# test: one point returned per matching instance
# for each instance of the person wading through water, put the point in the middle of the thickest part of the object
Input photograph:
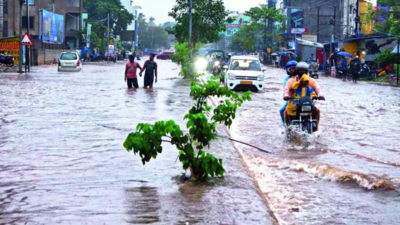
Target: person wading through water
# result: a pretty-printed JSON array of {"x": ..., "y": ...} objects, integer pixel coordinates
[
  {"x": 151, "y": 69},
  {"x": 130, "y": 72}
]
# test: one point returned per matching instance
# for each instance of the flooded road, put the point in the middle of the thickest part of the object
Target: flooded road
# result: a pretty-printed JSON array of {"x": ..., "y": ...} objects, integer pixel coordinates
[
  {"x": 62, "y": 159},
  {"x": 350, "y": 172}
]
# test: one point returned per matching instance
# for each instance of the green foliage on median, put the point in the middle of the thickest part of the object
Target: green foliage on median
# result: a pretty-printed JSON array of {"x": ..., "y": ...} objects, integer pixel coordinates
[{"x": 201, "y": 122}]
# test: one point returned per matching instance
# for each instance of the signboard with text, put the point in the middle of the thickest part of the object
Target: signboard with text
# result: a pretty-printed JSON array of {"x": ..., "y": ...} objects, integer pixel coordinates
[
  {"x": 233, "y": 25},
  {"x": 10, "y": 46},
  {"x": 298, "y": 30}
]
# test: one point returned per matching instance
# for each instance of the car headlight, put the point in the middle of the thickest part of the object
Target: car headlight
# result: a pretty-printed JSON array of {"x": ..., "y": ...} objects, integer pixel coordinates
[
  {"x": 260, "y": 78},
  {"x": 306, "y": 108},
  {"x": 201, "y": 63},
  {"x": 231, "y": 76}
]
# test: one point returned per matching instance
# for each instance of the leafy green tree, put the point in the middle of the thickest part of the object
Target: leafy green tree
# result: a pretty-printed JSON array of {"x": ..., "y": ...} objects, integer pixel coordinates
[
  {"x": 151, "y": 35},
  {"x": 388, "y": 17},
  {"x": 120, "y": 18},
  {"x": 202, "y": 121},
  {"x": 182, "y": 56},
  {"x": 246, "y": 38},
  {"x": 208, "y": 20},
  {"x": 260, "y": 16}
]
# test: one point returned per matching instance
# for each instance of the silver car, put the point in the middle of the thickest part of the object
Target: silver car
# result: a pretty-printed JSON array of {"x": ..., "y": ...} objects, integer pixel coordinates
[{"x": 69, "y": 62}]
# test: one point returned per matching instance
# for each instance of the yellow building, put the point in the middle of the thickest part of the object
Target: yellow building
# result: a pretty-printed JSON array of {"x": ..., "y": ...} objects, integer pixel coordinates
[{"x": 367, "y": 25}]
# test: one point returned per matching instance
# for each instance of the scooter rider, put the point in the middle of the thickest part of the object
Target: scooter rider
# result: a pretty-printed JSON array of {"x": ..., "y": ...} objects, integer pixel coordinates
[
  {"x": 291, "y": 72},
  {"x": 301, "y": 69}
]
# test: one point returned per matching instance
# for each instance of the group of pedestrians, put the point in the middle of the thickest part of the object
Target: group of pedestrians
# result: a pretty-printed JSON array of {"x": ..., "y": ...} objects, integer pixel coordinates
[
  {"x": 353, "y": 67},
  {"x": 150, "y": 68}
]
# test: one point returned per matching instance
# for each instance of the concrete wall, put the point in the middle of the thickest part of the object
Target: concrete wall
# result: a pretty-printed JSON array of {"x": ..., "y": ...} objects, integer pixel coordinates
[{"x": 47, "y": 56}]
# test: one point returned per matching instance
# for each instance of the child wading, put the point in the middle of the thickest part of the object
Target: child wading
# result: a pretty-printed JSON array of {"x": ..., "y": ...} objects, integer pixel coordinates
[
  {"x": 151, "y": 69},
  {"x": 130, "y": 72}
]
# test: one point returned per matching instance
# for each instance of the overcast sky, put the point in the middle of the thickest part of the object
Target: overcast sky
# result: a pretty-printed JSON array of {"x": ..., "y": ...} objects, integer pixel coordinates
[{"x": 159, "y": 8}]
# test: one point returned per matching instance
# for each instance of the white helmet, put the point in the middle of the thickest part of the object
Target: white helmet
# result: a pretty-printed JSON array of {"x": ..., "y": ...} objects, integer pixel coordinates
[{"x": 302, "y": 66}]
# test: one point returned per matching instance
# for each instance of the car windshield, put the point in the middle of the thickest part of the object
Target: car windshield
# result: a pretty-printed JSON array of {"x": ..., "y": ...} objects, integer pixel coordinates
[
  {"x": 167, "y": 53},
  {"x": 69, "y": 56},
  {"x": 249, "y": 65}
]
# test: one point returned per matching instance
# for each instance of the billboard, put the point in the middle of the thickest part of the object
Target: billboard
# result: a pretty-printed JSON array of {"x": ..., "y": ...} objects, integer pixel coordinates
[
  {"x": 128, "y": 35},
  {"x": 302, "y": 30},
  {"x": 10, "y": 46},
  {"x": 52, "y": 27},
  {"x": 296, "y": 18}
]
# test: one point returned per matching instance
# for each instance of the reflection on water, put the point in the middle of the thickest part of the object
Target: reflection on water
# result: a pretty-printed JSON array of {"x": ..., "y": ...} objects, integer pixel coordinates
[{"x": 142, "y": 205}]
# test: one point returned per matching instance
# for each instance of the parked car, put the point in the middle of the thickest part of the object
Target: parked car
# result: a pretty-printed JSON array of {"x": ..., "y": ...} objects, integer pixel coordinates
[
  {"x": 244, "y": 72},
  {"x": 69, "y": 62},
  {"x": 165, "y": 55}
]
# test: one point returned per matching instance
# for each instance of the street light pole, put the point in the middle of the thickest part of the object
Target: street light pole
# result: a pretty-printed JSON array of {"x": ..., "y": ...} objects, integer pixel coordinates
[
  {"x": 27, "y": 48},
  {"x": 190, "y": 36},
  {"x": 398, "y": 59},
  {"x": 190, "y": 23},
  {"x": 20, "y": 37},
  {"x": 108, "y": 36}
]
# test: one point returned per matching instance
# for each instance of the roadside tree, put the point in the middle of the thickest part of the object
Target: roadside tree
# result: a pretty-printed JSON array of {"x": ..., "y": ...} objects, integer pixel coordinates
[{"x": 208, "y": 20}]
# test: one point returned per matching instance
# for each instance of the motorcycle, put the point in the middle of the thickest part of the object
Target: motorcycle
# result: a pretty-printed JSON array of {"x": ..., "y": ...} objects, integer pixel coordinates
[
  {"x": 216, "y": 68},
  {"x": 313, "y": 72},
  {"x": 366, "y": 72},
  {"x": 303, "y": 121},
  {"x": 7, "y": 60}
]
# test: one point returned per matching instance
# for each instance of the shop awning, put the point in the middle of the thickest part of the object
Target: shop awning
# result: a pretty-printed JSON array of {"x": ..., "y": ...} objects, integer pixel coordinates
[{"x": 395, "y": 49}]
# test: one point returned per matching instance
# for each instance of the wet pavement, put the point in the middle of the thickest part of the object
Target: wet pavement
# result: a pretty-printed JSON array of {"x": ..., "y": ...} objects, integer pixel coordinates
[
  {"x": 347, "y": 173},
  {"x": 62, "y": 159}
]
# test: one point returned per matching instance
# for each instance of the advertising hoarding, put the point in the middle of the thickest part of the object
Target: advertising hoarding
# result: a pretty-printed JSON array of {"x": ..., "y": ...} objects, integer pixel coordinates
[
  {"x": 10, "y": 46},
  {"x": 302, "y": 30},
  {"x": 53, "y": 27}
]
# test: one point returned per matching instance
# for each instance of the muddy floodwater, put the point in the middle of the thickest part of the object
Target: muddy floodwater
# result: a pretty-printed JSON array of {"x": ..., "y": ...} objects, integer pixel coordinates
[
  {"x": 62, "y": 159},
  {"x": 347, "y": 173}
]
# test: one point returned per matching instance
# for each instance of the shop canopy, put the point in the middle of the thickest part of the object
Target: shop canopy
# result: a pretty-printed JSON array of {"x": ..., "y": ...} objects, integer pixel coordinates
[{"x": 395, "y": 49}]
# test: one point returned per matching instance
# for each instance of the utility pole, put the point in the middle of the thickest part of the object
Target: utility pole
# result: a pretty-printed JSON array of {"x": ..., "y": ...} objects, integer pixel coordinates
[
  {"x": 27, "y": 48},
  {"x": 190, "y": 23},
  {"x": 21, "y": 58},
  {"x": 357, "y": 19},
  {"x": 318, "y": 24},
  {"x": 108, "y": 36},
  {"x": 1, "y": 18},
  {"x": 190, "y": 36},
  {"x": 398, "y": 59},
  {"x": 136, "y": 31}
]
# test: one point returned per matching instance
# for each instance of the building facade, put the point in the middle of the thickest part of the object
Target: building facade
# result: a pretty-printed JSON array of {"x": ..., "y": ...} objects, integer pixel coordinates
[
  {"x": 315, "y": 16},
  {"x": 68, "y": 22}
]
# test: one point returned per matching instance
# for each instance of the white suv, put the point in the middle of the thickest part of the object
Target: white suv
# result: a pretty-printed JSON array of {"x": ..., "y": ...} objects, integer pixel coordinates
[
  {"x": 244, "y": 72},
  {"x": 69, "y": 61}
]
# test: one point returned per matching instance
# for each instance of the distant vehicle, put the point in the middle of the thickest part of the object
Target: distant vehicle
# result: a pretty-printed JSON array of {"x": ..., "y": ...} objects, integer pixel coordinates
[
  {"x": 165, "y": 55},
  {"x": 7, "y": 60},
  {"x": 69, "y": 62},
  {"x": 96, "y": 57},
  {"x": 244, "y": 72}
]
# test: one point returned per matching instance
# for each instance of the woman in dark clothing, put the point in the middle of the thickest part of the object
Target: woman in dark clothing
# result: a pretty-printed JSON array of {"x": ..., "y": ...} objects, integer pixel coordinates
[{"x": 151, "y": 69}]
